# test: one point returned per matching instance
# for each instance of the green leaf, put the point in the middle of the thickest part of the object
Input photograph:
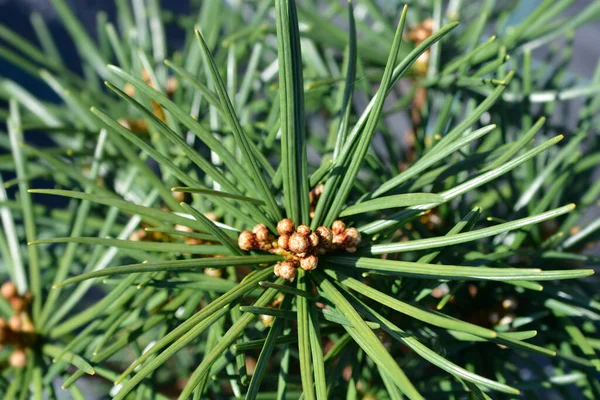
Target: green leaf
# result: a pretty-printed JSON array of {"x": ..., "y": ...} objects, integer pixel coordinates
[
  {"x": 449, "y": 240},
  {"x": 135, "y": 245},
  {"x": 431, "y": 355},
  {"x": 265, "y": 353},
  {"x": 291, "y": 96},
  {"x": 16, "y": 139},
  {"x": 454, "y": 272},
  {"x": 402, "y": 216},
  {"x": 304, "y": 342},
  {"x": 352, "y": 161},
  {"x": 173, "y": 266},
  {"x": 365, "y": 337},
  {"x": 240, "y": 136},
  {"x": 399, "y": 200},
  {"x": 217, "y": 193},
  {"x": 239, "y": 290},
  {"x": 423, "y": 315},
  {"x": 70, "y": 357},
  {"x": 229, "y": 338}
]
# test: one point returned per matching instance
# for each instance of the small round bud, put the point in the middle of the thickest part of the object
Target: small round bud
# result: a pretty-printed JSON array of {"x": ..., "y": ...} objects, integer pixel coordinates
[
  {"x": 258, "y": 227},
  {"x": 18, "y": 304},
  {"x": 27, "y": 326},
  {"x": 8, "y": 290},
  {"x": 313, "y": 238},
  {"x": 138, "y": 235},
  {"x": 18, "y": 359},
  {"x": 14, "y": 323},
  {"x": 509, "y": 303},
  {"x": 262, "y": 234},
  {"x": 338, "y": 227},
  {"x": 284, "y": 242},
  {"x": 309, "y": 263},
  {"x": 267, "y": 320},
  {"x": 183, "y": 228},
  {"x": 247, "y": 240},
  {"x": 298, "y": 243},
  {"x": 351, "y": 249},
  {"x": 129, "y": 89},
  {"x": 182, "y": 197},
  {"x": 286, "y": 226},
  {"x": 216, "y": 272},
  {"x": 325, "y": 236},
  {"x": 303, "y": 230},
  {"x": 286, "y": 270},
  {"x": 352, "y": 237},
  {"x": 338, "y": 240}
]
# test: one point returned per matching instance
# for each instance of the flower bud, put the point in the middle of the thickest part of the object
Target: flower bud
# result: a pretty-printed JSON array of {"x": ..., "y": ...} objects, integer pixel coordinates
[
  {"x": 18, "y": 359},
  {"x": 27, "y": 326},
  {"x": 247, "y": 241},
  {"x": 267, "y": 320},
  {"x": 286, "y": 270},
  {"x": 14, "y": 323},
  {"x": 18, "y": 304},
  {"x": 216, "y": 272},
  {"x": 338, "y": 227},
  {"x": 284, "y": 242},
  {"x": 325, "y": 236},
  {"x": 298, "y": 243},
  {"x": 309, "y": 263},
  {"x": 286, "y": 226},
  {"x": 258, "y": 227},
  {"x": 8, "y": 290},
  {"x": 339, "y": 239},
  {"x": 352, "y": 237},
  {"x": 313, "y": 238},
  {"x": 262, "y": 234},
  {"x": 303, "y": 230}
]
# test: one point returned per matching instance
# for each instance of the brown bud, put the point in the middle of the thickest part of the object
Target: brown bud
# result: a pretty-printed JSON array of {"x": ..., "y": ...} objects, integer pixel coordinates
[
  {"x": 338, "y": 227},
  {"x": 267, "y": 320},
  {"x": 172, "y": 85},
  {"x": 303, "y": 230},
  {"x": 284, "y": 242},
  {"x": 8, "y": 290},
  {"x": 351, "y": 249},
  {"x": 262, "y": 234},
  {"x": 258, "y": 227},
  {"x": 298, "y": 243},
  {"x": 286, "y": 270},
  {"x": 286, "y": 226},
  {"x": 352, "y": 237},
  {"x": 216, "y": 272},
  {"x": 325, "y": 236},
  {"x": 27, "y": 326},
  {"x": 247, "y": 240},
  {"x": 14, "y": 323},
  {"x": 18, "y": 304},
  {"x": 129, "y": 89},
  {"x": 339, "y": 239},
  {"x": 138, "y": 235},
  {"x": 309, "y": 263},
  {"x": 313, "y": 238},
  {"x": 183, "y": 228},
  {"x": 18, "y": 359}
]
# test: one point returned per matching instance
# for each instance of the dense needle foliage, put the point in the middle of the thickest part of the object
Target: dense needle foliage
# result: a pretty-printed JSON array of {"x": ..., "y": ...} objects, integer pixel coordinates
[{"x": 306, "y": 200}]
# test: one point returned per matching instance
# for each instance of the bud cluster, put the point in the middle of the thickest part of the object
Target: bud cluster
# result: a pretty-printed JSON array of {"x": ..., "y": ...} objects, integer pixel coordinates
[
  {"x": 18, "y": 331},
  {"x": 301, "y": 245}
]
